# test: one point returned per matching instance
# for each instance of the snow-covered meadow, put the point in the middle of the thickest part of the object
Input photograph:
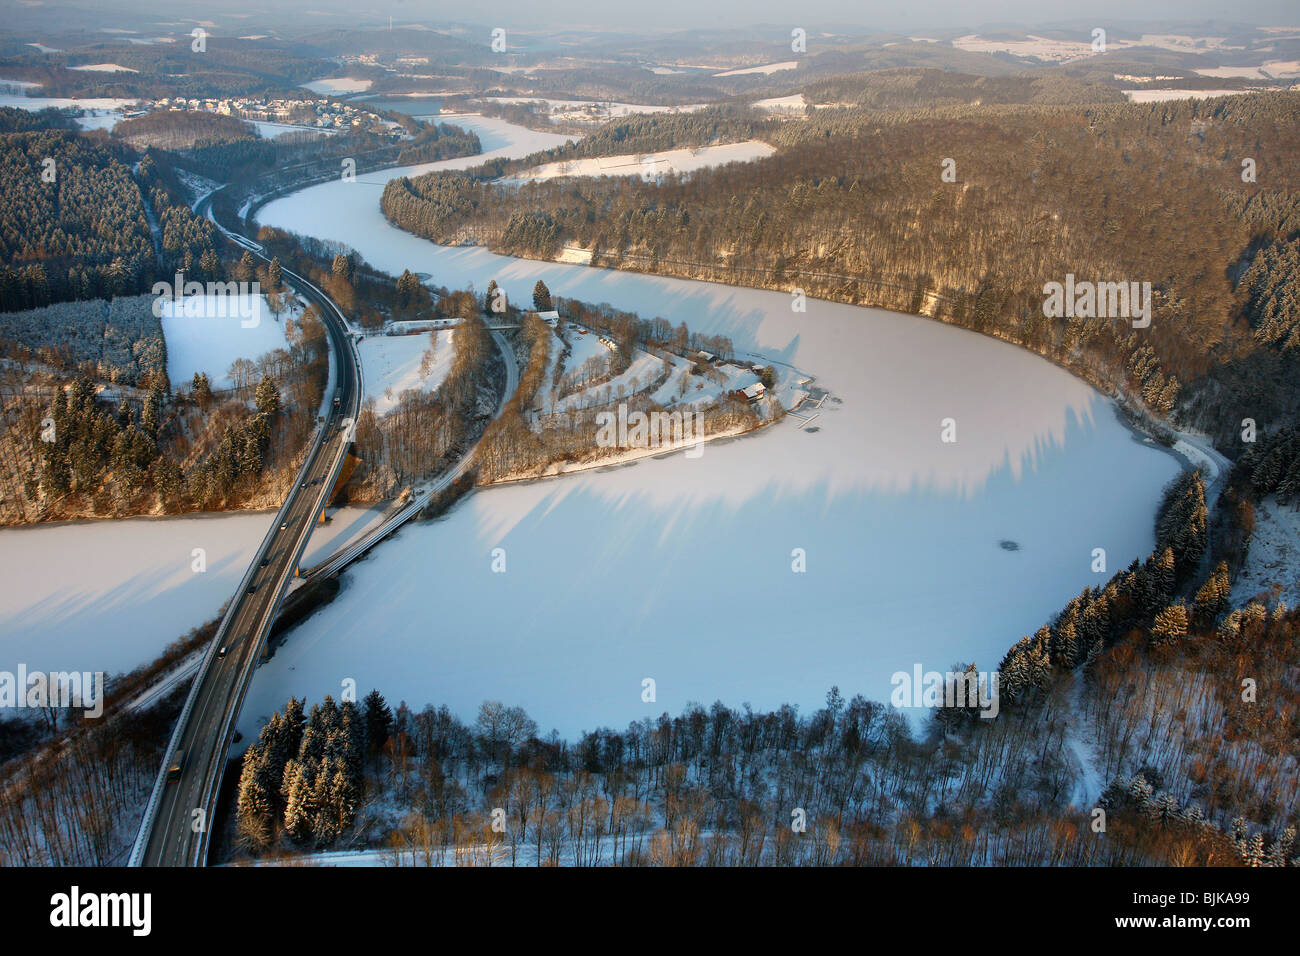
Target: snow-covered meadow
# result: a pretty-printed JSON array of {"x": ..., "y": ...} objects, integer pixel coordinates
[
  {"x": 391, "y": 364},
  {"x": 338, "y": 84},
  {"x": 1161, "y": 96},
  {"x": 207, "y": 333},
  {"x": 1273, "y": 562},
  {"x": 682, "y": 570},
  {"x": 593, "y": 111},
  {"x": 96, "y": 112},
  {"x": 678, "y": 161}
]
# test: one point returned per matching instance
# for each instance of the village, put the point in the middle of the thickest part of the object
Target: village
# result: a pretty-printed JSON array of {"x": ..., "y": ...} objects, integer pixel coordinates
[{"x": 324, "y": 115}]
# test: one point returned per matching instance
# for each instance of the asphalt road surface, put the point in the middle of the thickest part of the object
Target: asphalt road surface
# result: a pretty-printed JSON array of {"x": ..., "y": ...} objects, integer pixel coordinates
[{"x": 176, "y": 826}]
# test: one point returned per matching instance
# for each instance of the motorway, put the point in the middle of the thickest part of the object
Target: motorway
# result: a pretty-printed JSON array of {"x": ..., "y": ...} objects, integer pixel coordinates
[
  {"x": 176, "y": 827},
  {"x": 175, "y": 830}
]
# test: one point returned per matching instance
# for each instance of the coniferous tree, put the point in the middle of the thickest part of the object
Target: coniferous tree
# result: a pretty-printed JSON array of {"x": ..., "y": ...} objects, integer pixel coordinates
[
  {"x": 378, "y": 721},
  {"x": 542, "y": 297},
  {"x": 267, "y": 397}
]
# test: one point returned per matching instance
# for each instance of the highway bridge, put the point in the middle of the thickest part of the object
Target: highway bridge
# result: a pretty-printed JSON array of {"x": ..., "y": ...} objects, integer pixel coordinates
[
  {"x": 349, "y": 553},
  {"x": 176, "y": 827}
]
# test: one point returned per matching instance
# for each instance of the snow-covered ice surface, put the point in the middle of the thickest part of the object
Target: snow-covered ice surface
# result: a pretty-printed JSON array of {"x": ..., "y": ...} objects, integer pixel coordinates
[
  {"x": 391, "y": 365},
  {"x": 110, "y": 595},
  {"x": 207, "y": 333},
  {"x": 677, "y": 161},
  {"x": 681, "y": 570},
  {"x": 345, "y": 525}
]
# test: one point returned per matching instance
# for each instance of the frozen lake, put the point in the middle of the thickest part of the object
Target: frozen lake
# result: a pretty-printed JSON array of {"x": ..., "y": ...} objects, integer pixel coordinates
[
  {"x": 111, "y": 595},
  {"x": 681, "y": 570},
  {"x": 677, "y": 570}
]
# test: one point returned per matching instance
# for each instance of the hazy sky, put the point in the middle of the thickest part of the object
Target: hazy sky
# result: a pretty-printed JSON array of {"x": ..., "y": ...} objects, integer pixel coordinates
[
  {"x": 886, "y": 14},
  {"x": 295, "y": 16}
]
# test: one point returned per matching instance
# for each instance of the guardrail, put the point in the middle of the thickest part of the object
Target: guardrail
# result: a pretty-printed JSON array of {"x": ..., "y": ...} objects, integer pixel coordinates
[
  {"x": 160, "y": 784},
  {"x": 151, "y": 808},
  {"x": 273, "y": 609}
]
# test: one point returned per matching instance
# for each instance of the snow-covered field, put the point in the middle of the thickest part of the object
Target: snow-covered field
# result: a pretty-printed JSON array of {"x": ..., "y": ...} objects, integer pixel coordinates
[
  {"x": 391, "y": 364},
  {"x": 678, "y": 161},
  {"x": 97, "y": 112},
  {"x": 1043, "y": 48},
  {"x": 268, "y": 130},
  {"x": 1065, "y": 50},
  {"x": 207, "y": 333},
  {"x": 645, "y": 368},
  {"x": 339, "y": 84},
  {"x": 1159, "y": 96},
  {"x": 680, "y": 569},
  {"x": 104, "y": 68},
  {"x": 63, "y": 102},
  {"x": 794, "y": 103},
  {"x": 689, "y": 389},
  {"x": 581, "y": 348}
]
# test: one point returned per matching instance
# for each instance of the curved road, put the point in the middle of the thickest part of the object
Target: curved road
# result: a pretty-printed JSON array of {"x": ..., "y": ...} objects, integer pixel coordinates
[
  {"x": 176, "y": 825},
  {"x": 175, "y": 830}
]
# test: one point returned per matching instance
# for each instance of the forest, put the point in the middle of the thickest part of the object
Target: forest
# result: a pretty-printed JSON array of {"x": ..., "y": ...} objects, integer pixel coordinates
[
  {"x": 95, "y": 229},
  {"x": 227, "y": 66},
  {"x": 854, "y": 206},
  {"x": 118, "y": 341},
  {"x": 178, "y": 129},
  {"x": 13, "y": 120},
  {"x": 438, "y": 141},
  {"x": 912, "y": 88},
  {"x": 71, "y": 448},
  {"x": 73, "y": 222},
  {"x": 848, "y": 784}
]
